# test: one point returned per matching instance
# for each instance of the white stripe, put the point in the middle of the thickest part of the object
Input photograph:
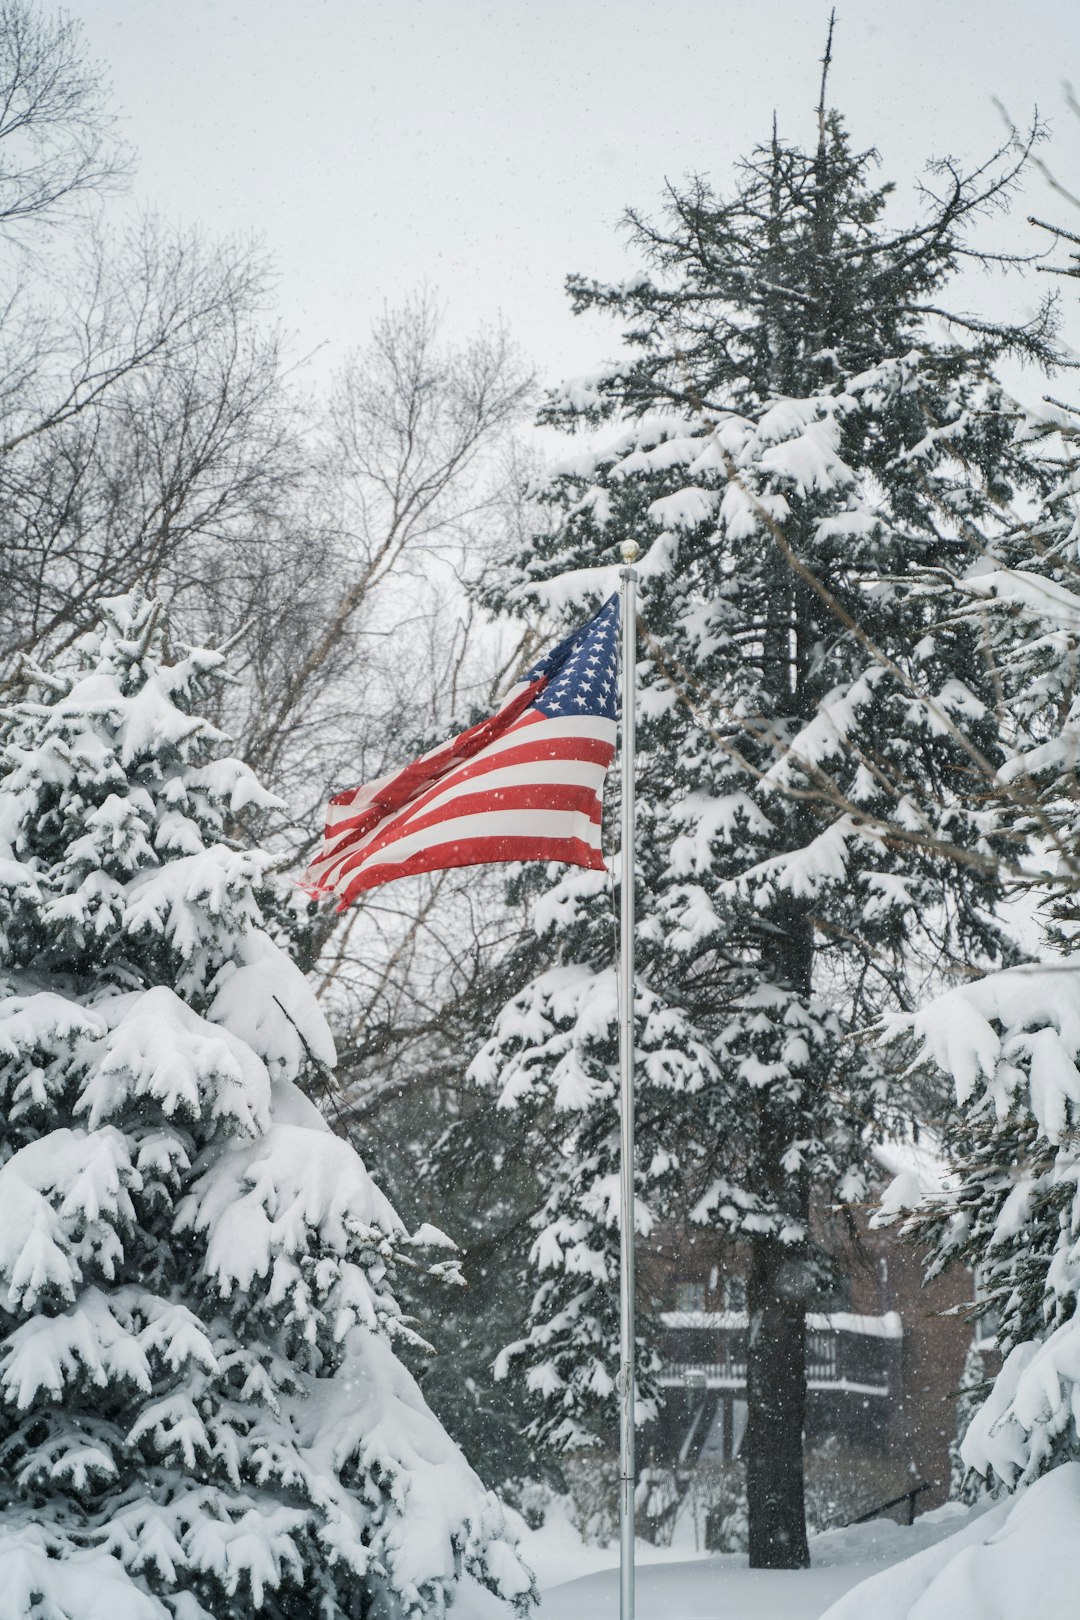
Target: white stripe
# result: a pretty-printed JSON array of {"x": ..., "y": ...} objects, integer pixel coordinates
[
  {"x": 541, "y": 773},
  {"x": 491, "y": 824},
  {"x": 569, "y": 726}
]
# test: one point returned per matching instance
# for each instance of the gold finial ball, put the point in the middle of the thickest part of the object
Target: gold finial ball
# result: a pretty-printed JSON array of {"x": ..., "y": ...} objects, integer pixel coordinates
[{"x": 630, "y": 551}]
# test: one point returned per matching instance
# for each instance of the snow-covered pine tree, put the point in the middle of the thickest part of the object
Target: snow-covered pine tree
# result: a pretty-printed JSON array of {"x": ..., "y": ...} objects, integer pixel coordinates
[
  {"x": 963, "y": 1487},
  {"x": 1009, "y": 1204},
  {"x": 786, "y": 436},
  {"x": 203, "y": 1413}
]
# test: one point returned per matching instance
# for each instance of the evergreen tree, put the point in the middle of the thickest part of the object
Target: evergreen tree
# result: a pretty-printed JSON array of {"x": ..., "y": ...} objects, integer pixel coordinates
[
  {"x": 786, "y": 438},
  {"x": 1009, "y": 1206},
  {"x": 973, "y": 1389},
  {"x": 1010, "y": 1043},
  {"x": 444, "y": 1145},
  {"x": 203, "y": 1411}
]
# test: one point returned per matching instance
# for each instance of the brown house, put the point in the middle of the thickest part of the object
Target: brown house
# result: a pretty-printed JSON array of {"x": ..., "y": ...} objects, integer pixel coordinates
[{"x": 885, "y": 1357}]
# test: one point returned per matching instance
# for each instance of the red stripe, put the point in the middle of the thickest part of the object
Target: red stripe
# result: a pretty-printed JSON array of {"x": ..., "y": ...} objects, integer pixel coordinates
[
  {"x": 534, "y": 796},
  {"x": 379, "y": 808},
  {"x": 587, "y": 750},
  {"x": 476, "y": 852},
  {"x": 409, "y": 782}
]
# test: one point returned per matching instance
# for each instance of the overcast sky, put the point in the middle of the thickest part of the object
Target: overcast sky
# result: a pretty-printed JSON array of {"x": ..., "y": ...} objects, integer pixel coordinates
[{"x": 488, "y": 147}]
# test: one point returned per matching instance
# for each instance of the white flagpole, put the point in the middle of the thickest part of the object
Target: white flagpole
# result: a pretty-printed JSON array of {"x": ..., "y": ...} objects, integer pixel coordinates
[{"x": 627, "y": 1472}]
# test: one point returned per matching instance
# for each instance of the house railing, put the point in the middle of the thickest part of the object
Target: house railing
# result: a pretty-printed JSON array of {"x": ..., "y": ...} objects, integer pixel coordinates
[
  {"x": 729, "y": 1371},
  {"x": 894, "y": 1501},
  {"x": 844, "y": 1351}
]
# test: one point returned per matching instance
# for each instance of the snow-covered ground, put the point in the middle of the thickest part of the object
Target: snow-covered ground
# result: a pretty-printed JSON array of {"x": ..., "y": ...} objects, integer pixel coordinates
[
  {"x": 1009, "y": 1560},
  {"x": 580, "y": 1582},
  {"x": 672, "y": 1585}
]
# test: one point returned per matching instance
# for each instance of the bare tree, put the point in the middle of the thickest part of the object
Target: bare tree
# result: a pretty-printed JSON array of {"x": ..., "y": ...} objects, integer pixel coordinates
[
  {"x": 57, "y": 140},
  {"x": 404, "y": 480},
  {"x": 143, "y": 424}
]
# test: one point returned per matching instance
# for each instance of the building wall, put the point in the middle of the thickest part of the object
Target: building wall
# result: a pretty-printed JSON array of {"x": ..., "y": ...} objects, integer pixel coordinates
[{"x": 938, "y": 1330}]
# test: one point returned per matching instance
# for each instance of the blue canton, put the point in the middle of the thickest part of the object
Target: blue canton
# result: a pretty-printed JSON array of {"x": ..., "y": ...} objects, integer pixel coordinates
[{"x": 582, "y": 671}]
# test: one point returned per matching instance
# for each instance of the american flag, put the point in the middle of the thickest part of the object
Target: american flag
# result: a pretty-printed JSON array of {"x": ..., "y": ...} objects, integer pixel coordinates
[{"x": 524, "y": 785}]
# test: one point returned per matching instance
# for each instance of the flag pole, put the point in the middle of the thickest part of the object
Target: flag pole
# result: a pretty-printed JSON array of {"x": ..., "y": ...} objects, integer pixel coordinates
[{"x": 627, "y": 1472}]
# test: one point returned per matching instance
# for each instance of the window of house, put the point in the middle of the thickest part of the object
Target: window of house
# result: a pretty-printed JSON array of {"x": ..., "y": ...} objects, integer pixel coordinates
[
  {"x": 733, "y": 1294},
  {"x": 689, "y": 1296},
  {"x": 836, "y": 1297}
]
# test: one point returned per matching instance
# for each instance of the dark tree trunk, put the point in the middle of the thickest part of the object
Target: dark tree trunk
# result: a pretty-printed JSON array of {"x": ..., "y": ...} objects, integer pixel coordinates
[
  {"x": 776, "y": 1397},
  {"x": 777, "y": 1293}
]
